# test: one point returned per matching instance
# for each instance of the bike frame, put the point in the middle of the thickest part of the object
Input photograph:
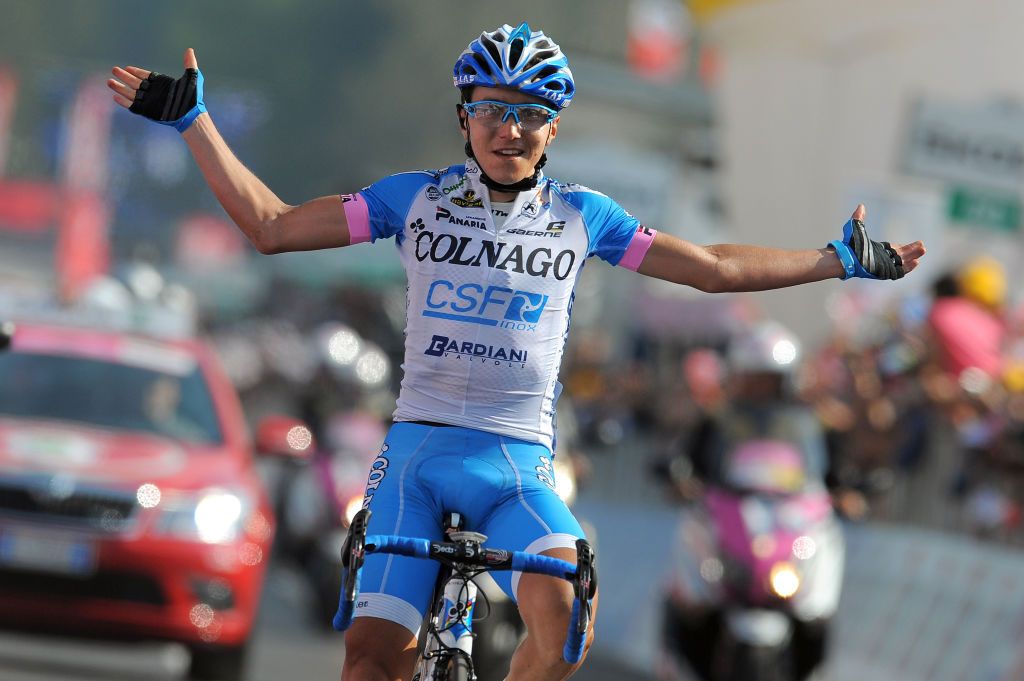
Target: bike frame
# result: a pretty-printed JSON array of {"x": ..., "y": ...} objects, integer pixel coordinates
[{"x": 450, "y": 621}]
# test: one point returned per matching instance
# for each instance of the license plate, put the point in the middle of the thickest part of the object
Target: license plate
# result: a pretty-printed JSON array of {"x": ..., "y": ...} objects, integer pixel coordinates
[{"x": 46, "y": 552}]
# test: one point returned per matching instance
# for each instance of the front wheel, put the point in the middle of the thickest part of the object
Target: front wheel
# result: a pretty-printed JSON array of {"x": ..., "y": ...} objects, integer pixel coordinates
[
  {"x": 459, "y": 669},
  {"x": 752, "y": 663}
]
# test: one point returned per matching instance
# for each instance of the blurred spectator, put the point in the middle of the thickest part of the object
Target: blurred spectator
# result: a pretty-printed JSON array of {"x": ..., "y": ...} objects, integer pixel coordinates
[{"x": 966, "y": 319}]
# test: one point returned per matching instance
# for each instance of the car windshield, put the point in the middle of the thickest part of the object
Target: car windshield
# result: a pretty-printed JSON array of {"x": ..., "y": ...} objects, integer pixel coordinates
[{"x": 109, "y": 394}]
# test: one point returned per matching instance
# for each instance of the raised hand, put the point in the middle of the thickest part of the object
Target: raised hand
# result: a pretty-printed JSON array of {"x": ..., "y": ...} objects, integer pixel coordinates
[
  {"x": 865, "y": 258},
  {"x": 158, "y": 97}
]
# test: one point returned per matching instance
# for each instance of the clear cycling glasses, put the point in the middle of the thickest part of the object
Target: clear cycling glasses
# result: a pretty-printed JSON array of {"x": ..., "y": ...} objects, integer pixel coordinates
[{"x": 493, "y": 114}]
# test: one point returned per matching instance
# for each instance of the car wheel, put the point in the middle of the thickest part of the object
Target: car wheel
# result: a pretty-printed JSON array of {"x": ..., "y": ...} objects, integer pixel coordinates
[{"x": 217, "y": 664}]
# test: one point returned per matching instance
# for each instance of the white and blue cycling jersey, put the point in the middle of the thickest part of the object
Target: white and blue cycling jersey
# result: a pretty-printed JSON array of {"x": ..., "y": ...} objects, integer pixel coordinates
[{"x": 489, "y": 305}]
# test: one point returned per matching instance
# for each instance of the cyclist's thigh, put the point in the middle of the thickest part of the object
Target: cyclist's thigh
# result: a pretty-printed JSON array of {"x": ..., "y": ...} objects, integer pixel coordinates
[
  {"x": 530, "y": 516},
  {"x": 391, "y": 587},
  {"x": 374, "y": 647}
]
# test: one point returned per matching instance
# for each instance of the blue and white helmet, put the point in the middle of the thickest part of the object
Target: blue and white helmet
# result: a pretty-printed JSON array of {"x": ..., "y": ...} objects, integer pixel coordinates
[{"x": 517, "y": 58}]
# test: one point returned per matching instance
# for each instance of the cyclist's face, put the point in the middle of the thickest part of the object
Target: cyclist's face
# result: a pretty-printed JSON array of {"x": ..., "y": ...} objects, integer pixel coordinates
[{"x": 507, "y": 153}]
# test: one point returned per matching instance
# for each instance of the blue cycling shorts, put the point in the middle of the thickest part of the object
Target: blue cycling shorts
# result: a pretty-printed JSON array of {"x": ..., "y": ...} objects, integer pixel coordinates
[{"x": 503, "y": 487}]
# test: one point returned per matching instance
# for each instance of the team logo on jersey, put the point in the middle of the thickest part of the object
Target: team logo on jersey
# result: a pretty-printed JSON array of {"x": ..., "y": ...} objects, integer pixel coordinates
[
  {"x": 469, "y": 199},
  {"x": 443, "y": 213},
  {"x": 455, "y": 187},
  {"x": 530, "y": 209},
  {"x": 470, "y": 252},
  {"x": 433, "y": 193},
  {"x": 499, "y": 306},
  {"x": 444, "y": 346},
  {"x": 553, "y": 230}
]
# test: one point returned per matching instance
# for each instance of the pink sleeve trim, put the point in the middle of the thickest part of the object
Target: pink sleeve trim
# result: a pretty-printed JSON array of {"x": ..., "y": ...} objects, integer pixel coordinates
[
  {"x": 358, "y": 216},
  {"x": 637, "y": 249}
]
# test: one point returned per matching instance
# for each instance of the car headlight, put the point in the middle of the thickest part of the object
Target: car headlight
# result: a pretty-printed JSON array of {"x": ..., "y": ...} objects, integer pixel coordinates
[
  {"x": 217, "y": 517},
  {"x": 214, "y": 516},
  {"x": 784, "y": 580}
]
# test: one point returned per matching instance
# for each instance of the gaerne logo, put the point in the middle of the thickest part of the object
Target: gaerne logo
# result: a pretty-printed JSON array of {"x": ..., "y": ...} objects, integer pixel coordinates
[
  {"x": 443, "y": 346},
  {"x": 469, "y": 199},
  {"x": 443, "y": 213},
  {"x": 499, "y": 306},
  {"x": 553, "y": 230},
  {"x": 471, "y": 252}
]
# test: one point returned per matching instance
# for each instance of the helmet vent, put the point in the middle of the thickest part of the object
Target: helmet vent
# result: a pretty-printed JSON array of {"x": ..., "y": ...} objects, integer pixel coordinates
[
  {"x": 515, "y": 51},
  {"x": 545, "y": 72},
  {"x": 481, "y": 64},
  {"x": 538, "y": 58},
  {"x": 492, "y": 50}
]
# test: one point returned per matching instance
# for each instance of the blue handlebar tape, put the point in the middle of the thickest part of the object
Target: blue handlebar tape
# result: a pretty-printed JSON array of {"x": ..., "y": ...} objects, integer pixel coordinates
[
  {"x": 543, "y": 565},
  {"x": 343, "y": 618},
  {"x": 403, "y": 546},
  {"x": 574, "y": 640}
]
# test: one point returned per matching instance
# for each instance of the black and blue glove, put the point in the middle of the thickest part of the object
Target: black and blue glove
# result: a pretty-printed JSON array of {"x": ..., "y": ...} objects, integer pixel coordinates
[
  {"x": 171, "y": 102},
  {"x": 864, "y": 258}
]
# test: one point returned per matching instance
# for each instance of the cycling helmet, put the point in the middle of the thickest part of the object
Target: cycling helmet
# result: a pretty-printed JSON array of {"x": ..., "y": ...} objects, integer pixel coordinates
[
  {"x": 769, "y": 347},
  {"x": 517, "y": 58}
]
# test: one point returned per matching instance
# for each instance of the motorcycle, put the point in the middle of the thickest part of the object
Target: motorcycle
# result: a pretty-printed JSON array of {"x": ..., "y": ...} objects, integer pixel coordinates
[{"x": 756, "y": 571}]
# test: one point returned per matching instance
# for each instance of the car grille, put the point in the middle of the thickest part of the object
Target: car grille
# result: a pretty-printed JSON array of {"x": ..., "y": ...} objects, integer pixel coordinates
[
  {"x": 126, "y": 587},
  {"x": 97, "y": 509}
]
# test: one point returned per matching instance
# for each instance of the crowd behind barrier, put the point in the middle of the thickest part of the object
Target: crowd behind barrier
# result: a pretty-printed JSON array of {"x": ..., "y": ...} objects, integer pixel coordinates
[{"x": 922, "y": 403}]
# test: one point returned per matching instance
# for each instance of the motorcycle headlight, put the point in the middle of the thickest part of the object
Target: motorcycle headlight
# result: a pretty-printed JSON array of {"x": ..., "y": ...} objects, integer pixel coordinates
[
  {"x": 354, "y": 505},
  {"x": 214, "y": 516},
  {"x": 784, "y": 580},
  {"x": 565, "y": 482}
]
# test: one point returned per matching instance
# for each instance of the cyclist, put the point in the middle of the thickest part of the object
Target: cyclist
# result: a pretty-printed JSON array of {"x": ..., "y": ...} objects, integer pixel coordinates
[{"x": 492, "y": 249}]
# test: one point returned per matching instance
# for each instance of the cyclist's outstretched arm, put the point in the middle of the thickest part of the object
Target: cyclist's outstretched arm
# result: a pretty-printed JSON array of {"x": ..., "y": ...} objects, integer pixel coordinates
[
  {"x": 734, "y": 267},
  {"x": 272, "y": 225}
]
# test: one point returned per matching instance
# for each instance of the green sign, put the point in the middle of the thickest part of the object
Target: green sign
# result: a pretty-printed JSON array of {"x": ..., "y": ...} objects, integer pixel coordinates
[{"x": 985, "y": 209}]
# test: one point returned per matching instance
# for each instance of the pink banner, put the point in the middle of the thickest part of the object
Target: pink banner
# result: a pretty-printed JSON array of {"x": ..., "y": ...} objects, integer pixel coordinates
[
  {"x": 8, "y": 95},
  {"x": 87, "y": 137},
  {"x": 83, "y": 243}
]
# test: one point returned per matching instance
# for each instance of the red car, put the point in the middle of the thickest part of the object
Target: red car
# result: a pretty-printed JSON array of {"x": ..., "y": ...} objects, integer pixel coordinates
[{"x": 130, "y": 506}]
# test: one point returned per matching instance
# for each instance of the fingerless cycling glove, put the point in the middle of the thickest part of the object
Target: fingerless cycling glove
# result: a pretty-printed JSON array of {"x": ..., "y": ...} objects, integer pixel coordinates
[
  {"x": 171, "y": 102},
  {"x": 864, "y": 258}
]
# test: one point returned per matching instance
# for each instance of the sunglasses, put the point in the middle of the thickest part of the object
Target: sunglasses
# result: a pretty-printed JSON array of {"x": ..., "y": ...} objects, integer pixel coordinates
[{"x": 493, "y": 114}]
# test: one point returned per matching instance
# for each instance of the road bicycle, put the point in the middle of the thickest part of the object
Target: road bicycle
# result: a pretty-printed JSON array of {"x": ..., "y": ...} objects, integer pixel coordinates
[{"x": 447, "y": 644}]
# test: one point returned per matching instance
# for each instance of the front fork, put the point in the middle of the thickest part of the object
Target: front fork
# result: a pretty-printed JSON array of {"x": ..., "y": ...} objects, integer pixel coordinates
[{"x": 453, "y": 625}]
